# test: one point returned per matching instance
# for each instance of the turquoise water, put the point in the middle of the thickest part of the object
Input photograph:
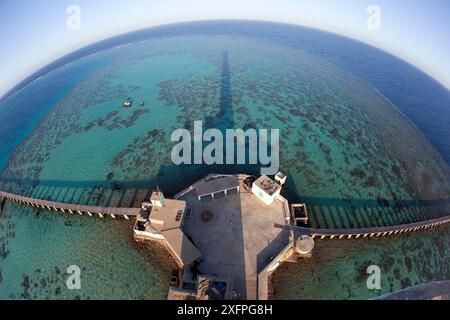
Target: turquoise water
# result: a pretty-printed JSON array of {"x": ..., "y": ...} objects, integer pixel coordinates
[
  {"x": 38, "y": 247},
  {"x": 347, "y": 150},
  {"x": 22, "y": 111},
  {"x": 338, "y": 268}
]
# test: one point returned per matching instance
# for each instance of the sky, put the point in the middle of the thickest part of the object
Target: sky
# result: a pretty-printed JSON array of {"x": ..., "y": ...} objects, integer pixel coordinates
[{"x": 35, "y": 33}]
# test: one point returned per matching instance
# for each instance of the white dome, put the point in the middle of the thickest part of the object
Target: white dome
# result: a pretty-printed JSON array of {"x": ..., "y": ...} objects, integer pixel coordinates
[{"x": 304, "y": 245}]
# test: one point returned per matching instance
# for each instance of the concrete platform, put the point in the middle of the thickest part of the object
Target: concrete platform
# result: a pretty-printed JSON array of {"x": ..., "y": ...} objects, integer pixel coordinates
[{"x": 239, "y": 240}]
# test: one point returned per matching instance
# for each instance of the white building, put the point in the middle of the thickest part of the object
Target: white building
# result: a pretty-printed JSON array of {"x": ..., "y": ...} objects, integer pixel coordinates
[
  {"x": 266, "y": 189},
  {"x": 280, "y": 177},
  {"x": 157, "y": 199}
]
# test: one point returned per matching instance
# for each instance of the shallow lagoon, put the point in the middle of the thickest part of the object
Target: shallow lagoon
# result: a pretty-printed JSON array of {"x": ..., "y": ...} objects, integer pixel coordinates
[{"x": 338, "y": 268}]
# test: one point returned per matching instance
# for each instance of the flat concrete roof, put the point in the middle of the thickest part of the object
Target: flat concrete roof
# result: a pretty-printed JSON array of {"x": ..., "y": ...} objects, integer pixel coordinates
[
  {"x": 167, "y": 215},
  {"x": 217, "y": 185},
  {"x": 267, "y": 184},
  {"x": 239, "y": 240},
  {"x": 181, "y": 246}
]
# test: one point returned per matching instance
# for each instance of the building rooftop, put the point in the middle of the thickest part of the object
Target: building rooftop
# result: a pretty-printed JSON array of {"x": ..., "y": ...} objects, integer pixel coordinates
[
  {"x": 217, "y": 185},
  {"x": 181, "y": 246},
  {"x": 167, "y": 217},
  {"x": 267, "y": 184},
  {"x": 280, "y": 175},
  {"x": 240, "y": 239}
]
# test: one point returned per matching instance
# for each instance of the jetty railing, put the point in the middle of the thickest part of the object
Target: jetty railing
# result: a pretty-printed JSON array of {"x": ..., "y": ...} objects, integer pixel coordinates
[
  {"x": 71, "y": 208},
  {"x": 367, "y": 232},
  {"x": 204, "y": 179}
]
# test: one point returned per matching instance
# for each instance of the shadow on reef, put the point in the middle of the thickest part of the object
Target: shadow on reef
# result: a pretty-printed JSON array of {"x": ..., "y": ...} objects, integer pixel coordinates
[{"x": 325, "y": 212}]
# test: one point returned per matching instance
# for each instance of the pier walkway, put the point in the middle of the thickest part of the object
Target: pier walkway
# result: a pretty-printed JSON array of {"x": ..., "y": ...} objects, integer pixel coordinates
[
  {"x": 367, "y": 232},
  {"x": 71, "y": 208},
  {"x": 322, "y": 233}
]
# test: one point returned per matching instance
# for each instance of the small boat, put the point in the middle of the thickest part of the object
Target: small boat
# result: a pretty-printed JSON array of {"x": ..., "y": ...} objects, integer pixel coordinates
[
  {"x": 128, "y": 103},
  {"x": 142, "y": 104}
]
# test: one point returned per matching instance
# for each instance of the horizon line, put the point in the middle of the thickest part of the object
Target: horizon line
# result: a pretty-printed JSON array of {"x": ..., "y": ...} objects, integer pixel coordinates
[{"x": 16, "y": 87}]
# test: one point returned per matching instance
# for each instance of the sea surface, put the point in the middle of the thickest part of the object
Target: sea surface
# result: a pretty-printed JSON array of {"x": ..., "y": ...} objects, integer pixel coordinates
[{"x": 363, "y": 135}]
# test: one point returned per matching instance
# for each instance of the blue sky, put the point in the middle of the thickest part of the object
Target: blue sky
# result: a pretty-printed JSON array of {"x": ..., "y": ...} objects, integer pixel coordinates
[{"x": 34, "y": 33}]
